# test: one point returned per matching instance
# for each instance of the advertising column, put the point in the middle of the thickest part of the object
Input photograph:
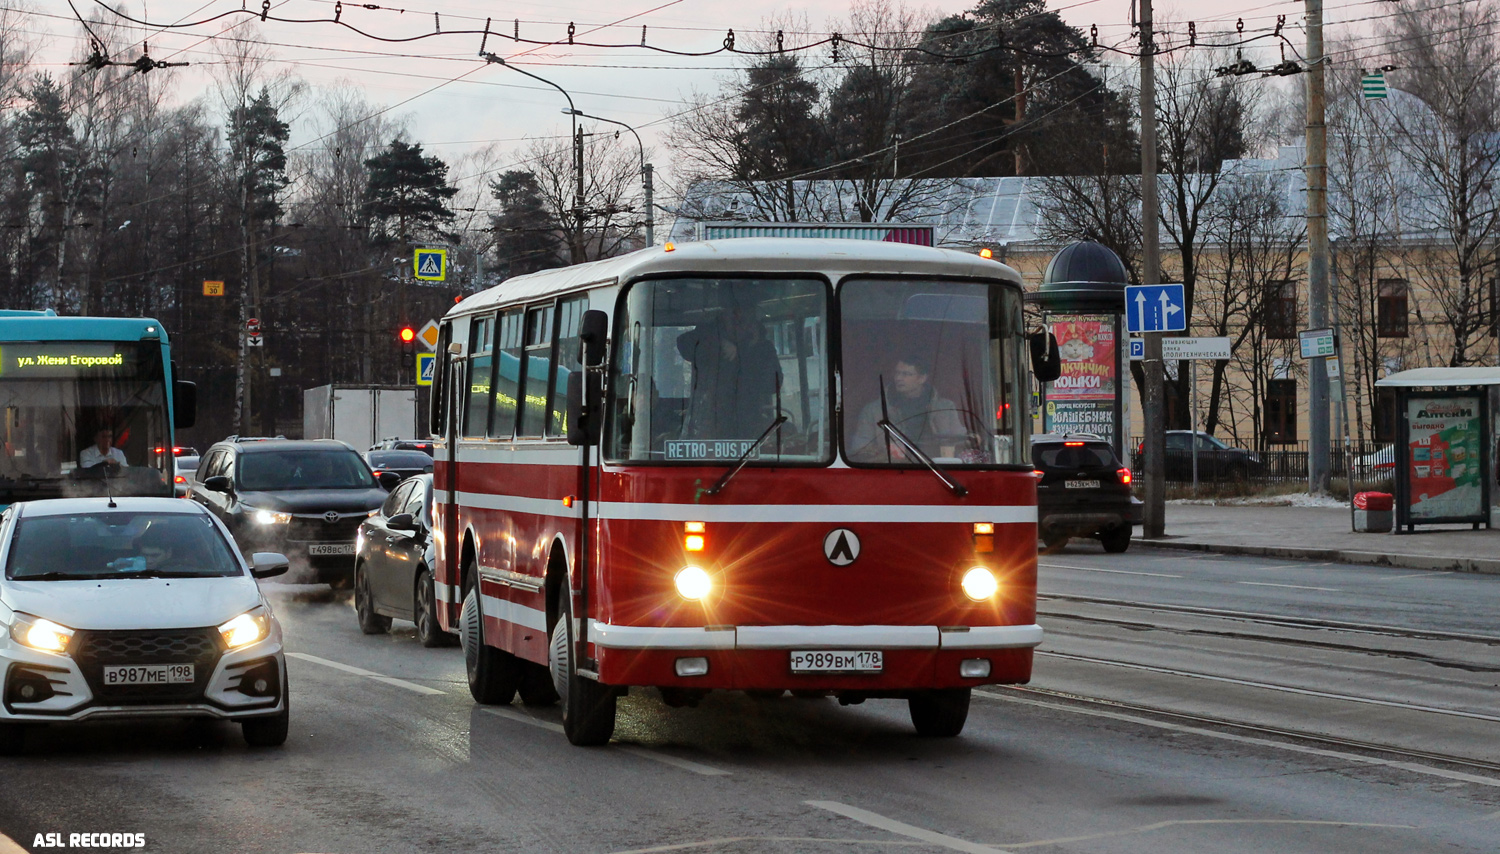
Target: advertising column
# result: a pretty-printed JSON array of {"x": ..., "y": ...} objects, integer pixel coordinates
[{"x": 1083, "y": 399}]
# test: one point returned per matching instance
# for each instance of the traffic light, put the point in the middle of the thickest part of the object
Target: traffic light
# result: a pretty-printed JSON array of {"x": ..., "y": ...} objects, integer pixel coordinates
[{"x": 408, "y": 340}]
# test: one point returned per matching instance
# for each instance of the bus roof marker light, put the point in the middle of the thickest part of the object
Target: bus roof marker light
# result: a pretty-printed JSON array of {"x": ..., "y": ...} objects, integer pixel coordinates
[
  {"x": 693, "y": 583},
  {"x": 986, "y": 252},
  {"x": 979, "y": 584},
  {"x": 669, "y": 247},
  {"x": 568, "y": 501}
]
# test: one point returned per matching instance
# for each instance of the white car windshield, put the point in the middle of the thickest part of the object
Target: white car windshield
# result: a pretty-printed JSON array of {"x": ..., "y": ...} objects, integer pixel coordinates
[{"x": 90, "y": 546}]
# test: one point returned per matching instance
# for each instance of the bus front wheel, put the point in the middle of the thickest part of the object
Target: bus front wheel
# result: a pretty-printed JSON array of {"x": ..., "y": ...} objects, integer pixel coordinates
[
  {"x": 940, "y": 714},
  {"x": 588, "y": 708},
  {"x": 494, "y": 674}
]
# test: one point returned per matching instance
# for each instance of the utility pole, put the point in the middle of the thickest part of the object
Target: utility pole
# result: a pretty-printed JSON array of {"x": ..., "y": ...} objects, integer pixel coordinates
[
  {"x": 646, "y": 173},
  {"x": 1155, "y": 444},
  {"x": 578, "y": 194},
  {"x": 1317, "y": 249}
]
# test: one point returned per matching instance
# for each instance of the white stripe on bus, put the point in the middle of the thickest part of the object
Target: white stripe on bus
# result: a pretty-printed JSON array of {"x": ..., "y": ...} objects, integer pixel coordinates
[
  {"x": 763, "y": 513},
  {"x": 511, "y": 612}
]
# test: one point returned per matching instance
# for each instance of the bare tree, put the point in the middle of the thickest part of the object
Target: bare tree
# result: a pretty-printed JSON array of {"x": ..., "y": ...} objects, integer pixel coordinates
[{"x": 611, "y": 210}]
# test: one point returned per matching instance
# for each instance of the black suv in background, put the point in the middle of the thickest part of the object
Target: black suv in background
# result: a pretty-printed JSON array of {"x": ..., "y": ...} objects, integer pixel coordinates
[
  {"x": 1082, "y": 490},
  {"x": 303, "y": 498}
]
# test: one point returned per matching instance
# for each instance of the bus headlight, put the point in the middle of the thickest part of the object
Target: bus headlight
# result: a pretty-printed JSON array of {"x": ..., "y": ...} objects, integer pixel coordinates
[
  {"x": 693, "y": 583},
  {"x": 271, "y": 517},
  {"x": 979, "y": 584}
]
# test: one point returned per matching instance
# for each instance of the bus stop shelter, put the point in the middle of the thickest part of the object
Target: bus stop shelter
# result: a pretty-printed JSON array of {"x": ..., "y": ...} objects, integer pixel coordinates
[{"x": 1447, "y": 458}]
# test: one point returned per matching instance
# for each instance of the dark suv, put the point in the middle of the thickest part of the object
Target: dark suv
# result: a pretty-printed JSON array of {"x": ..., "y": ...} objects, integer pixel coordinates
[
  {"x": 1082, "y": 490},
  {"x": 297, "y": 497}
]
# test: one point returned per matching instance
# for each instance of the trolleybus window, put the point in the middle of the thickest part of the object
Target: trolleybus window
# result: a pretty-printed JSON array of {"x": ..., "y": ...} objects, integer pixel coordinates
[
  {"x": 703, "y": 367},
  {"x": 937, "y": 360},
  {"x": 569, "y": 323}
]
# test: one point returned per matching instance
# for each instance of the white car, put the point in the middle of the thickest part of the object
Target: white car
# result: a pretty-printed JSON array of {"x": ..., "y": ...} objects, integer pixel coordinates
[{"x": 134, "y": 608}]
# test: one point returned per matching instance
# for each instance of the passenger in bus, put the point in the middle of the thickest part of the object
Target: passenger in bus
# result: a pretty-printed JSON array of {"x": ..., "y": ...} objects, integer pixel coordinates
[
  {"x": 735, "y": 376},
  {"x": 914, "y": 407},
  {"x": 102, "y": 452}
]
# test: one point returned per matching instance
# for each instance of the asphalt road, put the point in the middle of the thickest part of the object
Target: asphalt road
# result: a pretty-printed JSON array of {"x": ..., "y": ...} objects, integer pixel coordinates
[{"x": 1156, "y": 723}]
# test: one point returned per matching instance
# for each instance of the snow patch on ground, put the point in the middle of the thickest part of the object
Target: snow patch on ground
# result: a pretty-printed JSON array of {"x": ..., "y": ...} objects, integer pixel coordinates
[{"x": 1295, "y": 499}]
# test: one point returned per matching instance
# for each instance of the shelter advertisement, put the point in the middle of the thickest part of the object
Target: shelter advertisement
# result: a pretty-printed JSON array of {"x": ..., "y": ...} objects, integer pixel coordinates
[
  {"x": 1443, "y": 452},
  {"x": 1082, "y": 399}
]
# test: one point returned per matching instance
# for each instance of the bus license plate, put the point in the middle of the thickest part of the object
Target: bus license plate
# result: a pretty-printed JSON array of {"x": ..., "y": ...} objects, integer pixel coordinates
[
  {"x": 1083, "y": 484},
  {"x": 149, "y": 674},
  {"x": 837, "y": 661},
  {"x": 331, "y": 549}
]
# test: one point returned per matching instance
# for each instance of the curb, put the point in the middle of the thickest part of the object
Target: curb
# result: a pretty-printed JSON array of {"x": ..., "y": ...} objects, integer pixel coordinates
[{"x": 1487, "y": 566}]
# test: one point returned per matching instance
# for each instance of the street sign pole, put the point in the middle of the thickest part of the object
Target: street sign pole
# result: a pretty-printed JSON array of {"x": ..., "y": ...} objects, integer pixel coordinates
[
  {"x": 1193, "y": 383},
  {"x": 1317, "y": 248}
]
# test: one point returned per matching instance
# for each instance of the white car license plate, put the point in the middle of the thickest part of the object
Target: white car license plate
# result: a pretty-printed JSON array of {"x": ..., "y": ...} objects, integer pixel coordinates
[
  {"x": 837, "y": 661},
  {"x": 331, "y": 549},
  {"x": 149, "y": 674},
  {"x": 1083, "y": 484}
]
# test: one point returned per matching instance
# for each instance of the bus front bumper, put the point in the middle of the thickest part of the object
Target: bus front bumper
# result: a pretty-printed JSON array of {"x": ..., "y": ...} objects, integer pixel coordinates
[{"x": 761, "y": 657}]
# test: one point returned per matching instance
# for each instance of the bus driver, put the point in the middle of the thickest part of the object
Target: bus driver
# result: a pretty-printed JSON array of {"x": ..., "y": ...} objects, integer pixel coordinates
[
  {"x": 735, "y": 375},
  {"x": 914, "y": 408},
  {"x": 102, "y": 452}
]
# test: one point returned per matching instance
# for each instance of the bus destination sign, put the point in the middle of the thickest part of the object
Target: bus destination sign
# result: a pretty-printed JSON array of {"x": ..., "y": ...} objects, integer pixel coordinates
[{"x": 27, "y": 360}]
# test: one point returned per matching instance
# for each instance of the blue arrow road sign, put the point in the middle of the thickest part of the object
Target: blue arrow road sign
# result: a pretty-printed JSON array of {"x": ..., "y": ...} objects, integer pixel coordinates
[{"x": 1155, "y": 308}]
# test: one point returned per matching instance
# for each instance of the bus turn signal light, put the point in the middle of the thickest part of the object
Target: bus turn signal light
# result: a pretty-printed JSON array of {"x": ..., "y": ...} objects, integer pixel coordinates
[
  {"x": 984, "y": 537},
  {"x": 694, "y": 539},
  {"x": 693, "y": 542}
]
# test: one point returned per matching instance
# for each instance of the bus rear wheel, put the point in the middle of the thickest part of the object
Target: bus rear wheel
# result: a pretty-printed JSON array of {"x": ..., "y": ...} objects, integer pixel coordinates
[
  {"x": 494, "y": 674},
  {"x": 588, "y": 708},
  {"x": 939, "y": 714}
]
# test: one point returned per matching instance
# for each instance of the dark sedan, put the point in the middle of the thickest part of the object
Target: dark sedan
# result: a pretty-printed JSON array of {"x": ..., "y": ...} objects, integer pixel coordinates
[
  {"x": 393, "y": 565},
  {"x": 404, "y": 463},
  {"x": 1082, "y": 490},
  {"x": 1216, "y": 460},
  {"x": 297, "y": 497}
]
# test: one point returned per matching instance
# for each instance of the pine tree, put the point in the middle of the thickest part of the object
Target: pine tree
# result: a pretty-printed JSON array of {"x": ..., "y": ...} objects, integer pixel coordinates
[
  {"x": 527, "y": 237},
  {"x": 407, "y": 197}
]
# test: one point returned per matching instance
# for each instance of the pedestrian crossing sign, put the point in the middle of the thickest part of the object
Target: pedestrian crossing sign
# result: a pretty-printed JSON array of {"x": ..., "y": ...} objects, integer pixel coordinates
[
  {"x": 426, "y": 362},
  {"x": 431, "y": 265}
]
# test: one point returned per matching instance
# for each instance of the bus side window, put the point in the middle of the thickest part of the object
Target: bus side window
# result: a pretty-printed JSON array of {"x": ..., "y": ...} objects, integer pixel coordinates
[
  {"x": 477, "y": 411},
  {"x": 566, "y": 358},
  {"x": 507, "y": 375},
  {"x": 538, "y": 370},
  {"x": 437, "y": 410}
]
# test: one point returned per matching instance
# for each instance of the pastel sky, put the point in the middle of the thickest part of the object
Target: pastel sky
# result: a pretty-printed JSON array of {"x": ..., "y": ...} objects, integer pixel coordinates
[{"x": 495, "y": 105}]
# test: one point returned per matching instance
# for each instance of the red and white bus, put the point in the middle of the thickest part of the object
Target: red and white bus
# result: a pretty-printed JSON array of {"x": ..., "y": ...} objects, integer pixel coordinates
[{"x": 799, "y": 464}]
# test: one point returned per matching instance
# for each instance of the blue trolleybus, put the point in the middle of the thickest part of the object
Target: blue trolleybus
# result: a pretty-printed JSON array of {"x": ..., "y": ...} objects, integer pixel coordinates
[{"x": 66, "y": 380}]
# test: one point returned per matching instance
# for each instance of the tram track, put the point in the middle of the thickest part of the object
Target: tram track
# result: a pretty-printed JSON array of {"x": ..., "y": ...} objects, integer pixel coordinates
[
  {"x": 1281, "y": 620},
  {"x": 1287, "y": 733}
]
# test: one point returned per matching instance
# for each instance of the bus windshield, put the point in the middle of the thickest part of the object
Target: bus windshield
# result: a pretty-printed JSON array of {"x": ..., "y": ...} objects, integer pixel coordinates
[
  {"x": 704, "y": 367},
  {"x": 83, "y": 418},
  {"x": 940, "y": 362}
]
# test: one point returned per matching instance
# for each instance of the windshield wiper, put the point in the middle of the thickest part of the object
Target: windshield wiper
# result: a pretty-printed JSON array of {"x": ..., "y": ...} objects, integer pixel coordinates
[
  {"x": 57, "y": 576},
  {"x": 911, "y": 447},
  {"x": 745, "y": 457}
]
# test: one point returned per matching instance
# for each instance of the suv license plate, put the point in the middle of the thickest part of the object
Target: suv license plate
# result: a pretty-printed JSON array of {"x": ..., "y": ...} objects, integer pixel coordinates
[
  {"x": 149, "y": 674},
  {"x": 837, "y": 661},
  {"x": 1083, "y": 484},
  {"x": 333, "y": 549}
]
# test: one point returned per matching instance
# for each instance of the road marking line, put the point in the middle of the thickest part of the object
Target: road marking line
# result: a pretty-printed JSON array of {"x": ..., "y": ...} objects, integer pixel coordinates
[
  {"x": 1286, "y": 689},
  {"x": 1289, "y": 586},
  {"x": 1414, "y": 767},
  {"x": 901, "y": 829},
  {"x": 518, "y": 717},
  {"x": 368, "y": 674},
  {"x": 1414, "y": 575},
  {"x": 10, "y": 846},
  {"x": 1113, "y": 571},
  {"x": 738, "y": 840},
  {"x": 632, "y": 749},
  {"x": 1162, "y": 825},
  {"x": 675, "y": 762}
]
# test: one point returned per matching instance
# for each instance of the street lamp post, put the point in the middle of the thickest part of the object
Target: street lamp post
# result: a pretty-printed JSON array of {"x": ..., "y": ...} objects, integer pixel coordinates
[
  {"x": 646, "y": 171},
  {"x": 577, "y": 140}
]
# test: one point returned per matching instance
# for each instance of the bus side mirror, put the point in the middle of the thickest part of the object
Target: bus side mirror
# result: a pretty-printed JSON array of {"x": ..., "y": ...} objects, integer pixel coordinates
[
  {"x": 1046, "y": 361},
  {"x": 585, "y": 413},
  {"x": 594, "y": 333},
  {"x": 184, "y": 404}
]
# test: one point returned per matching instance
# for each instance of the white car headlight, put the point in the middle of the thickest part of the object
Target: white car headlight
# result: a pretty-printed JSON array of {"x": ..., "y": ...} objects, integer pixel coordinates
[
  {"x": 40, "y": 634},
  {"x": 249, "y": 627},
  {"x": 271, "y": 517}
]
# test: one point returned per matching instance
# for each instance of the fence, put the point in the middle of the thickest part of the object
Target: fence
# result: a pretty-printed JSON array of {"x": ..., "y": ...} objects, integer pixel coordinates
[{"x": 1368, "y": 462}]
